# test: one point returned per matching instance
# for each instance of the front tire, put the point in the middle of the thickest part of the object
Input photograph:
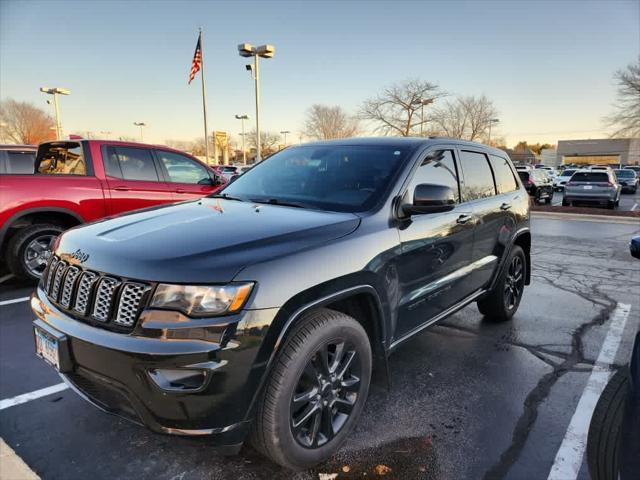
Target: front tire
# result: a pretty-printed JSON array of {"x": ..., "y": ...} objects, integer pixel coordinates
[
  {"x": 28, "y": 250},
  {"x": 603, "y": 442},
  {"x": 315, "y": 391},
  {"x": 503, "y": 301}
]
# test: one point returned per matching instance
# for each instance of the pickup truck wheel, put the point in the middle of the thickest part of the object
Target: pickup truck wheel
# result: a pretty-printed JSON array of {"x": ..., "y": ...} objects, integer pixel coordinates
[
  {"x": 503, "y": 301},
  {"x": 315, "y": 392},
  {"x": 28, "y": 250},
  {"x": 603, "y": 442}
]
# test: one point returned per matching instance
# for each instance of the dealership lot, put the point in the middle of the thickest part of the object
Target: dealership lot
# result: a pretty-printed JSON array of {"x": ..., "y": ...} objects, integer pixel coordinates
[{"x": 470, "y": 399}]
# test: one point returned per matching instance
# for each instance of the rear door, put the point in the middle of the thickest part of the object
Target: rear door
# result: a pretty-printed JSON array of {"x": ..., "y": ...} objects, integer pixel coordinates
[
  {"x": 479, "y": 190},
  {"x": 186, "y": 178},
  {"x": 133, "y": 179}
]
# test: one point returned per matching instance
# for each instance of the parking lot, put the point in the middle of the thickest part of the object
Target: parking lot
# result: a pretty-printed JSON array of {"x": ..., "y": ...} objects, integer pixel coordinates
[
  {"x": 470, "y": 399},
  {"x": 628, "y": 201}
]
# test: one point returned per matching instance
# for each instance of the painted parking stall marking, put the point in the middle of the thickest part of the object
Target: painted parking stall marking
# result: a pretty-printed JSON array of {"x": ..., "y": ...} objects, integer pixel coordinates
[
  {"x": 569, "y": 457},
  {"x": 27, "y": 397},
  {"x": 14, "y": 300}
]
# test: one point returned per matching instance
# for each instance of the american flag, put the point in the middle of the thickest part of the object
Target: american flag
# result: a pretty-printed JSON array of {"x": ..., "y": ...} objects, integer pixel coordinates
[{"x": 197, "y": 60}]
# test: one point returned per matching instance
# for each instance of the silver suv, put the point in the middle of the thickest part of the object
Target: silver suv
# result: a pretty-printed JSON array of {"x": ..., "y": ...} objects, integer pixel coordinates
[{"x": 592, "y": 186}]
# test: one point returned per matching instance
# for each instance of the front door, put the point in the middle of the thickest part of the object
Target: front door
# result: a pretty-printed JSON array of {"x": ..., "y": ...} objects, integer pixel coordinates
[
  {"x": 435, "y": 249},
  {"x": 187, "y": 178}
]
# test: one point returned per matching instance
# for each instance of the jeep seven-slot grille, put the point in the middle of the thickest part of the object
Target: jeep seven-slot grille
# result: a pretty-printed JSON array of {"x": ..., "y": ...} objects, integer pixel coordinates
[{"x": 101, "y": 299}]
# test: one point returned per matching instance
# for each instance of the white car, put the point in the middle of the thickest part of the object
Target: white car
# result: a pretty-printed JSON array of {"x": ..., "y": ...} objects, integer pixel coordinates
[{"x": 560, "y": 180}]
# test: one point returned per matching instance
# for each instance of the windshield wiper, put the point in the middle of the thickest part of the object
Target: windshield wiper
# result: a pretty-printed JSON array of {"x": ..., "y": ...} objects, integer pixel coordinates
[
  {"x": 226, "y": 196},
  {"x": 275, "y": 201}
]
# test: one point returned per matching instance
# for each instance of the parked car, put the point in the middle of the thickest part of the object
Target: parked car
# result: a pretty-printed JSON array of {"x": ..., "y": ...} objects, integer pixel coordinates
[
  {"x": 261, "y": 310},
  {"x": 82, "y": 181},
  {"x": 226, "y": 170},
  {"x": 635, "y": 168},
  {"x": 592, "y": 186},
  {"x": 538, "y": 185},
  {"x": 627, "y": 179},
  {"x": 613, "y": 443},
  {"x": 17, "y": 159},
  {"x": 634, "y": 246},
  {"x": 560, "y": 181},
  {"x": 550, "y": 170}
]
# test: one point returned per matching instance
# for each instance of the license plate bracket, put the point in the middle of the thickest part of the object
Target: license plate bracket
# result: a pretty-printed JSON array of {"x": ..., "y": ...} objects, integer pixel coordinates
[{"x": 52, "y": 346}]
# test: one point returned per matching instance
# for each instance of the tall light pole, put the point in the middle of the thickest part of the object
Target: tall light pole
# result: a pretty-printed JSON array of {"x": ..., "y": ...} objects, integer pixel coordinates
[
  {"x": 284, "y": 132},
  {"x": 242, "y": 118},
  {"x": 422, "y": 102},
  {"x": 141, "y": 125},
  {"x": 265, "y": 51},
  {"x": 55, "y": 92},
  {"x": 491, "y": 122}
]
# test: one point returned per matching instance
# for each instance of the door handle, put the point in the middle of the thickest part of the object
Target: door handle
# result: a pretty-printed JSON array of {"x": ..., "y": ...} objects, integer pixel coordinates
[
  {"x": 122, "y": 189},
  {"x": 462, "y": 219},
  {"x": 505, "y": 206}
]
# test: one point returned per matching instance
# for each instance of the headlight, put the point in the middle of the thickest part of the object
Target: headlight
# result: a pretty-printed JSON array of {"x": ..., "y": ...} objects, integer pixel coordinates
[{"x": 198, "y": 301}]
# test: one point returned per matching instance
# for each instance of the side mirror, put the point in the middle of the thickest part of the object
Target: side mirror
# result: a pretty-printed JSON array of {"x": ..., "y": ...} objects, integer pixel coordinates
[{"x": 431, "y": 198}]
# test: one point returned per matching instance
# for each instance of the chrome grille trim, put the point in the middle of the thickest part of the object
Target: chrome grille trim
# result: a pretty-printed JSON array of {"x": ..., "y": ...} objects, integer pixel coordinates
[
  {"x": 129, "y": 303},
  {"x": 104, "y": 299},
  {"x": 69, "y": 284},
  {"x": 83, "y": 294},
  {"x": 52, "y": 268},
  {"x": 57, "y": 280}
]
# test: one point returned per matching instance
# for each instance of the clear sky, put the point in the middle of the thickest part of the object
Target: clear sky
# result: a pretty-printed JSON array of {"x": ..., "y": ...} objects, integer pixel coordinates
[{"x": 547, "y": 65}]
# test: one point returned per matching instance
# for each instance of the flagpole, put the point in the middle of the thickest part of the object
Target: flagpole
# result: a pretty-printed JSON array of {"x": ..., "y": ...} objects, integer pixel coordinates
[{"x": 204, "y": 100}]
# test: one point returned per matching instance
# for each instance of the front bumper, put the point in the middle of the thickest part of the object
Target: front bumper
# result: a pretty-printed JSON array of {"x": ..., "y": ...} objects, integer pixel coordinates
[{"x": 113, "y": 370}]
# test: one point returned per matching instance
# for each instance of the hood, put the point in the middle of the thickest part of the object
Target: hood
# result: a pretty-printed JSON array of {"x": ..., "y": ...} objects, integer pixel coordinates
[{"x": 204, "y": 241}]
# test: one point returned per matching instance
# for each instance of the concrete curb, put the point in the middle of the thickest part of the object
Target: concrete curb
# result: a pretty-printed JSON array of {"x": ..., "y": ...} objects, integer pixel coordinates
[
  {"x": 12, "y": 467},
  {"x": 586, "y": 217}
]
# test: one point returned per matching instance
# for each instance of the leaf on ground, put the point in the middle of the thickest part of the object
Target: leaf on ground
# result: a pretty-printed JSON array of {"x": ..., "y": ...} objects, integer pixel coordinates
[{"x": 382, "y": 469}]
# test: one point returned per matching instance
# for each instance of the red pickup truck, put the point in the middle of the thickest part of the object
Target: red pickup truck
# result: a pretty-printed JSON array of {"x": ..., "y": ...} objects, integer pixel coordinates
[{"x": 84, "y": 180}]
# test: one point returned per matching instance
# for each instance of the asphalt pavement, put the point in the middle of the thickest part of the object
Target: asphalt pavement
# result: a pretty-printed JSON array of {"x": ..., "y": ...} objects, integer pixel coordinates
[{"x": 470, "y": 399}]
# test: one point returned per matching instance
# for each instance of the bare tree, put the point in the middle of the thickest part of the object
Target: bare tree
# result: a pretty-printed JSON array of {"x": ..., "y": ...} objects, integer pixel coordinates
[
  {"x": 268, "y": 141},
  {"x": 626, "y": 115},
  {"x": 468, "y": 118},
  {"x": 25, "y": 123},
  {"x": 396, "y": 111},
  {"x": 324, "y": 122}
]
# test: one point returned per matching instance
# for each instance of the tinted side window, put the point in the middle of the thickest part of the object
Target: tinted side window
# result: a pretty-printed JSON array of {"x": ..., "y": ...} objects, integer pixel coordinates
[
  {"x": 505, "y": 181},
  {"x": 478, "y": 180},
  {"x": 438, "y": 167},
  {"x": 182, "y": 169},
  {"x": 134, "y": 163}
]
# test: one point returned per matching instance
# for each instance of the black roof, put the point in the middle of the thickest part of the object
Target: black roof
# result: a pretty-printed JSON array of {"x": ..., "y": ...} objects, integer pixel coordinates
[{"x": 411, "y": 142}]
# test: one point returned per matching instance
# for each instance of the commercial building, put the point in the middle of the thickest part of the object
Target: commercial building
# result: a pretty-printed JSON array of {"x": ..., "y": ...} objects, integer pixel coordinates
[
  {"x": 607, "y": 151},
  {"x": 549, "y": 157}
]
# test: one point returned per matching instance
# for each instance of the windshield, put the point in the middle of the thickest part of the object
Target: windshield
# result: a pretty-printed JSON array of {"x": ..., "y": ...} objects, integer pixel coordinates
[
  {"x": 625, "y": 173},
  {"x": 568, "y": 173},
  {"x": 336, "y": 178}
]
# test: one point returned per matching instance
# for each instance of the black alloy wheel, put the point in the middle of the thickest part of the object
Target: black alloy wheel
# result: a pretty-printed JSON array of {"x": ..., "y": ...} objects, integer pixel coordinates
[
  {"x": 325, "y": 394},
  {"x": 514, "y": 283}
]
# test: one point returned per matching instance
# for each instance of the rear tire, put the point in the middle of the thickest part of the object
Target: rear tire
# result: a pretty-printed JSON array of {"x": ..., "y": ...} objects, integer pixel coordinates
[
  {"x": 611, "y": 204},
  {"x": 301, "y": 420},
  {"x": 566, "y": 203},
  {"x": 603, "y": 442},
  {"x": 503, "y": 301},
  {"x": 28, "y": 250}
]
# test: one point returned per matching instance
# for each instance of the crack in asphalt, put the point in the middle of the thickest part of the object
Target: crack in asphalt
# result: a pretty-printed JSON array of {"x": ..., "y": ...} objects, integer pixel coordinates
[{"x": 570, "y": 363}]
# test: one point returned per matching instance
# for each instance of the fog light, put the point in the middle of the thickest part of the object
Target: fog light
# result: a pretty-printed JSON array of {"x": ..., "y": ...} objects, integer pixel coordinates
[{"x": 178, "y": 380}]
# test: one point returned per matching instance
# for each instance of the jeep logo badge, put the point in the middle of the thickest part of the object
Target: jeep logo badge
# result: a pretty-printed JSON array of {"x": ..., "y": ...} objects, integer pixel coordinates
[{"x": 80, "y": 256}]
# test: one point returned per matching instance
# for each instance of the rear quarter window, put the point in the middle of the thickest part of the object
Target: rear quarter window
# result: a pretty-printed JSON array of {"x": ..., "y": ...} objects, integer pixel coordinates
[{"x": 61, "y": 158}]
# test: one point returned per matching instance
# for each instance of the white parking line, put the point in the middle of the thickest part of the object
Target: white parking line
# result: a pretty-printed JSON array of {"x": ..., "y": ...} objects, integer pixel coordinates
[
  {"x": 569, "y": 457},
  {"x": 635, "y": 205},
  {"x": 14, "y": 300},
  {"x": 27, "y": 397},
  {"x": 6, "y": 277}
]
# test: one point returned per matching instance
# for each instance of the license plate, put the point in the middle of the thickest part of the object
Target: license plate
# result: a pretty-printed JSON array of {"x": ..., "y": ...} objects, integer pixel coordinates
[
  {"x": 587, "y": 187},
  {"x": 47, "y": 348}
]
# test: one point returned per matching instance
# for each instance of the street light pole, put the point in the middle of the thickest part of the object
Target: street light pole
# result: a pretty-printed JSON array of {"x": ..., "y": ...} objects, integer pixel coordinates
[
  {"x": 55, "y": 92},
  {"x": 244, "y": 152},
  {"x": 491, "y": 122},
  {"x": 284, "y": 132},
  {"x": 141, "y": 125},
  {"x": 264, "y": 51}
]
